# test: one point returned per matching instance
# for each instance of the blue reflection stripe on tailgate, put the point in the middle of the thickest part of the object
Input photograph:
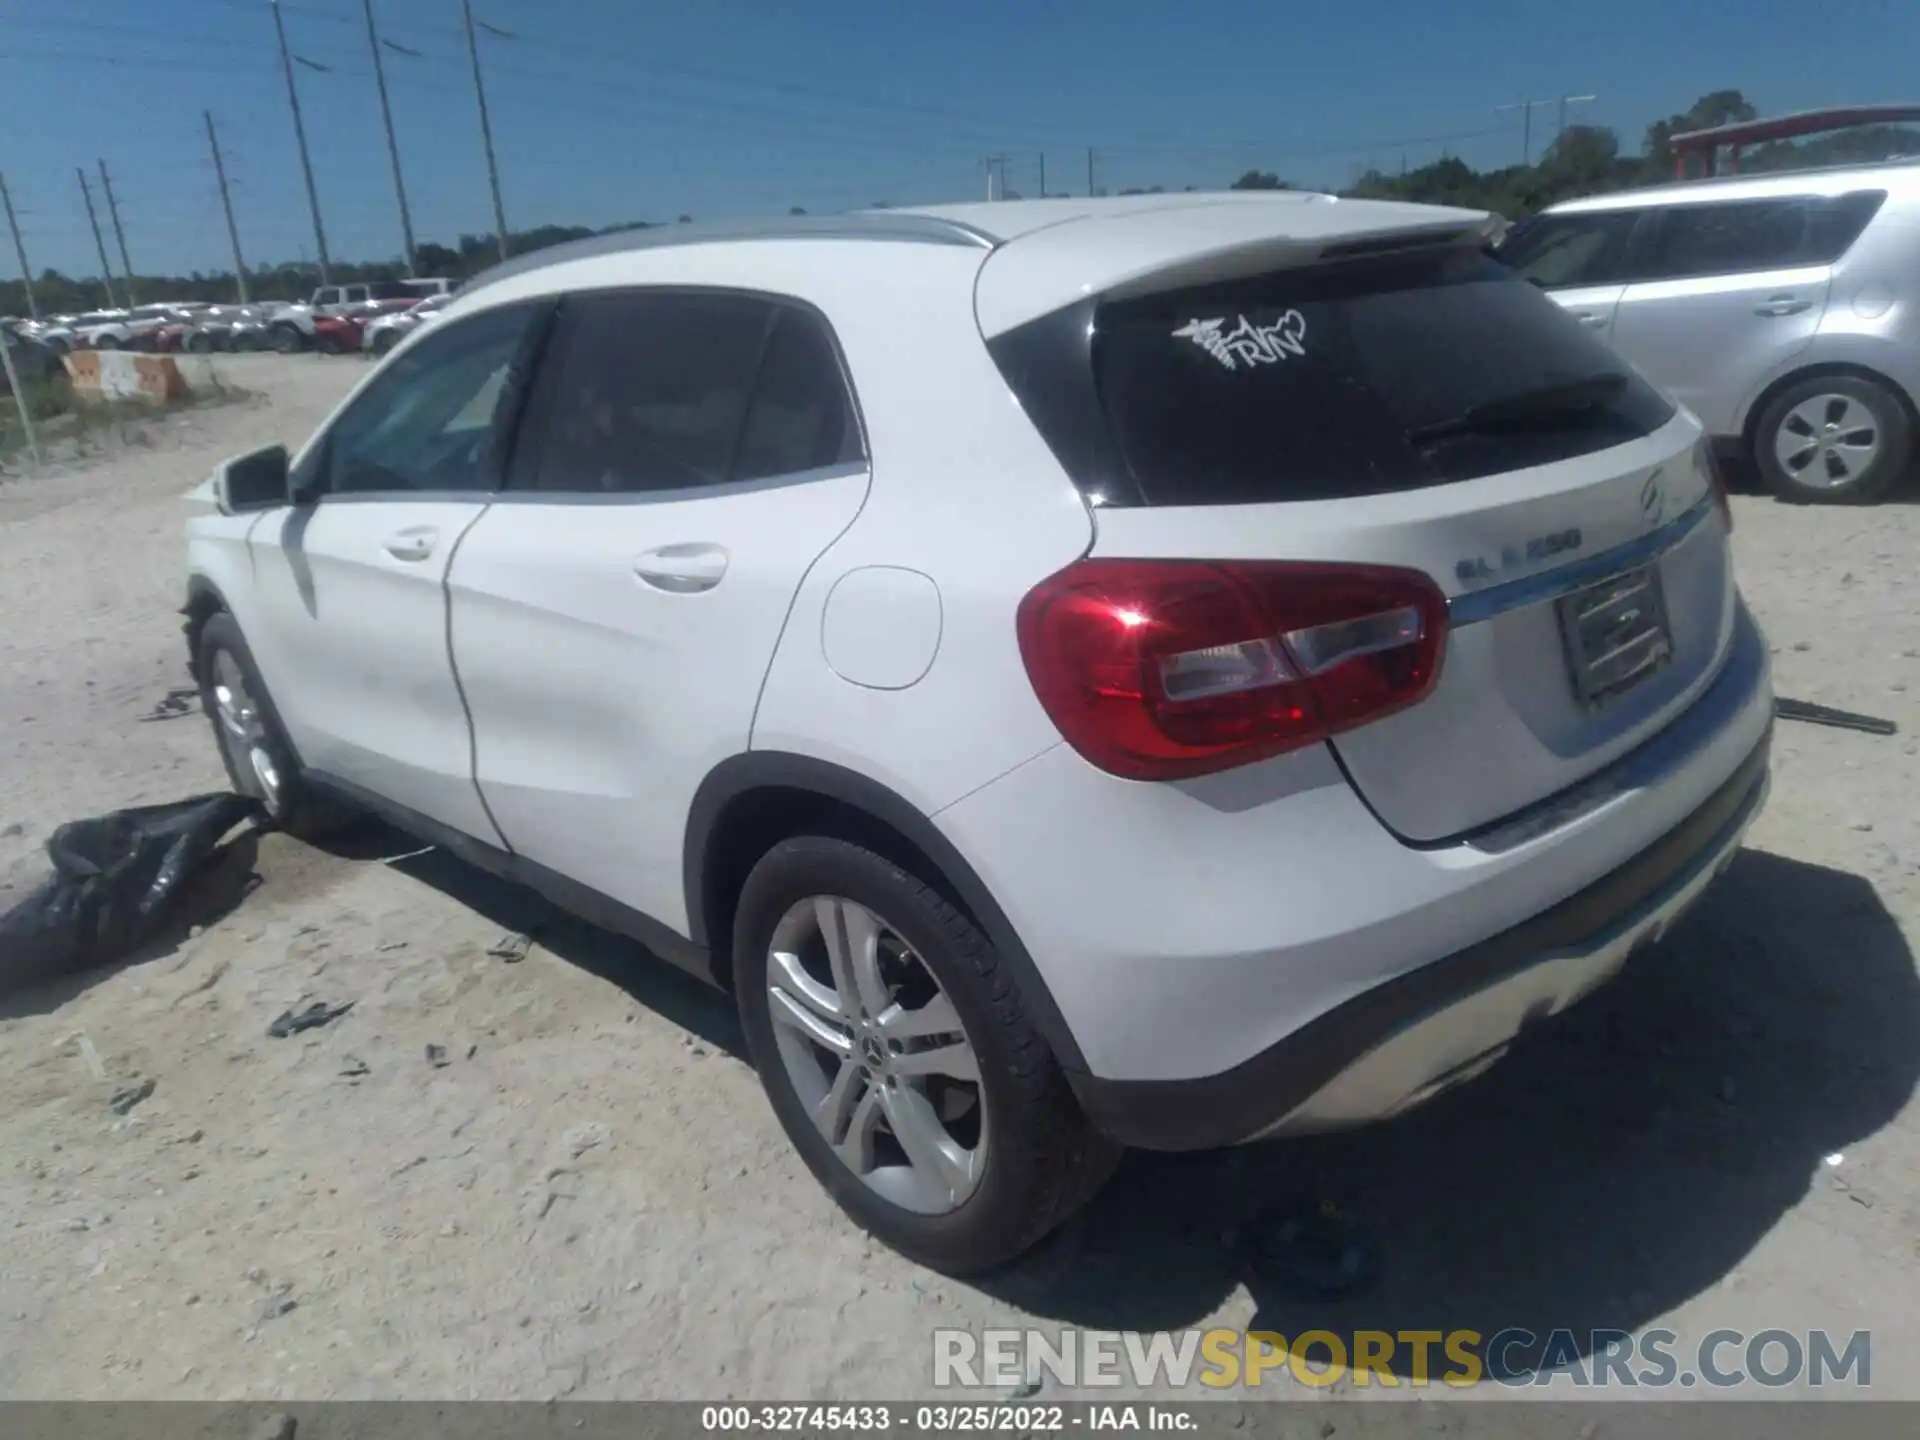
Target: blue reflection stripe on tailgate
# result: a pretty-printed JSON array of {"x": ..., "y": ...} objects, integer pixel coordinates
[{"x": 1481, "y": 605}]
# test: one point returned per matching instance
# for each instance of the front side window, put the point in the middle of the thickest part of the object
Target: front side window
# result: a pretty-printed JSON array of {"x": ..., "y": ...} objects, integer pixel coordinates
[
  {"x": 1560, "y": 251},
  {"x": 426, "y": 423}
]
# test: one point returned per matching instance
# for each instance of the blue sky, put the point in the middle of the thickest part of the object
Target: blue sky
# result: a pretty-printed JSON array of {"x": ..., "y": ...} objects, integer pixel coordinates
[{"x": 610, "y": 110}]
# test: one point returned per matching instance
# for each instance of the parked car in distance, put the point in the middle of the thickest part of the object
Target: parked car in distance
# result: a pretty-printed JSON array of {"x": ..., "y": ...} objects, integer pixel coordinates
[
  {"x": 35, "y": 362},
  {"x": 1783, "y": 310},
  {"x": 386, "y": 331},
  {"x": 129, "y": 329},
  {"x": 292, "y": 326},
  {"x": 1332, "y": 663},
  {"x": 64, "y": 332}
]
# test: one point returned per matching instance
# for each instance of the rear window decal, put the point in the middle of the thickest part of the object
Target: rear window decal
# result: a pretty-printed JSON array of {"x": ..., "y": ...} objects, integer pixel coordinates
[{"x": 1247, "y": 342}]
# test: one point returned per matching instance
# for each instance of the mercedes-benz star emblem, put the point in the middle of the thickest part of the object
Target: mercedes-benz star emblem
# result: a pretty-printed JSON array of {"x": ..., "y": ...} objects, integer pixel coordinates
[{"x": 1653, "y": 499}]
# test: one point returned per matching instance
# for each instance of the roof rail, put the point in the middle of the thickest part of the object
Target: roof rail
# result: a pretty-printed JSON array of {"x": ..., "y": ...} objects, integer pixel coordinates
[{"x": 859, "y": 225}]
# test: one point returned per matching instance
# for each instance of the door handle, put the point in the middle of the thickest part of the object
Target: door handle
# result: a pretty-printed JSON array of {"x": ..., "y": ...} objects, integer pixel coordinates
[
  {"x": 682, "y": 569},
  {"x": 1783, "y": 305},
  {"x": 412, "y": 545},
  {"x": 1593, "y": 320}
]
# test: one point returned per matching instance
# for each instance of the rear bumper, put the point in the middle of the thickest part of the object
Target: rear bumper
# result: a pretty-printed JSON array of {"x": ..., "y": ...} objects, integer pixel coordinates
[{"x": 1396, "y": 1045}]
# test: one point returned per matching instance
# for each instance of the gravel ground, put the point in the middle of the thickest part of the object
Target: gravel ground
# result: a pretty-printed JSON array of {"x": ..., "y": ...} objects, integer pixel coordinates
[{"x": 590, "y": 1198}]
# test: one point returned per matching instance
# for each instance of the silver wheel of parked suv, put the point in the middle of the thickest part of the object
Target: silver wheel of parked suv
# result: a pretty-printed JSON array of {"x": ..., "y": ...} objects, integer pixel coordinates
[
  {"x": 876, "y": 1052},
  {"x": 1833, "y": 440},
  {"x": 898, "y": 1056}
]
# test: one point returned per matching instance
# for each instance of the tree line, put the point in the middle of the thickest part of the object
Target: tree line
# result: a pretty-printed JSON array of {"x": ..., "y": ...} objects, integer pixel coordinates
[{"x": 1581, "y": 160}]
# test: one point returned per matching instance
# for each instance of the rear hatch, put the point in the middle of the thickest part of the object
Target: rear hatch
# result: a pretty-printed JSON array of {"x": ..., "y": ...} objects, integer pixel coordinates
[{"x": 1418, "y": 408}]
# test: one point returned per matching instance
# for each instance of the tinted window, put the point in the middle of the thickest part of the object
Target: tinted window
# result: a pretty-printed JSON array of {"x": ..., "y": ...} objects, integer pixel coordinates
[
  {"x": 390, "y": 290},
  {"x": 1727, "y": 238},
  {"x": 1837, "y": 223},
  {"x": 426, "y": 422},
  {"x": 800, "y": 418},
  {"x": 1359, "y": 379},
  {"x": 1556, "y": 251},
  {"x": 647, "y": 391}
]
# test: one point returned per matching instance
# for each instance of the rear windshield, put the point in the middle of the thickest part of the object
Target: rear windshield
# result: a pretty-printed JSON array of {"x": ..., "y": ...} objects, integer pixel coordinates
[{"x": 1339, "y": 381}]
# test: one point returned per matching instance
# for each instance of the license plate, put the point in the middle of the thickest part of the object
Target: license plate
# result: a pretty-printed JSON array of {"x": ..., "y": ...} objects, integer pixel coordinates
[{"x": 1616, "y": 634}]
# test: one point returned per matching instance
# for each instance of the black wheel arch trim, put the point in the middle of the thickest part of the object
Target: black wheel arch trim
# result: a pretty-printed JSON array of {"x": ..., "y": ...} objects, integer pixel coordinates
[{"x": 741, "y": 775}]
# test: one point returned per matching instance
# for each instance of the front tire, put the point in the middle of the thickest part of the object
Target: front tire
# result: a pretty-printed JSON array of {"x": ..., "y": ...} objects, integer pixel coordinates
[
  {"x": 896, "y": 1055},
  {"x": 254, "y": 748},
  {"x": 287, "y": 339},
  {"x": 106, "y": 342},
  {"x": 1833, "y": 440}
]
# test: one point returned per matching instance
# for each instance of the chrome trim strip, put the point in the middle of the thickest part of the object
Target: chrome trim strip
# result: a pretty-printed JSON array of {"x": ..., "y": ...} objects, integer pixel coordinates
[{"x": 1478, "y": 605}]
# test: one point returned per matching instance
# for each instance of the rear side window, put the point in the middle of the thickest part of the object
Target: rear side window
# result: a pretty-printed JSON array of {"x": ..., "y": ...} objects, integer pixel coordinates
[
  {"x": 1733, "y": 237},
  {"x": 646, "y": 392},
  {"x": 800, "y": 418},
  {"x": 1559, "y": 251},
  {"x": 1339, "y": 381}
]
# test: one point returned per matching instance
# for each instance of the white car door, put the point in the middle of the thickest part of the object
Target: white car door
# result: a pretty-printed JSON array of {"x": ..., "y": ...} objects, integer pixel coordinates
[
  {"x": 350, "y": 586},
  {"x": 684, "y": 460}
]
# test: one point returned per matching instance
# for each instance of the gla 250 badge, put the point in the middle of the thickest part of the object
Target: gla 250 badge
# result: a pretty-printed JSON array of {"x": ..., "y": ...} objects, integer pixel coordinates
[{"x": 1514, "y": 557}]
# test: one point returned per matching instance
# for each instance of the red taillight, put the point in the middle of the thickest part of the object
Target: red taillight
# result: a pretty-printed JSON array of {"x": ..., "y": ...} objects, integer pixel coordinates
[{"x": 1161, "y": 669}]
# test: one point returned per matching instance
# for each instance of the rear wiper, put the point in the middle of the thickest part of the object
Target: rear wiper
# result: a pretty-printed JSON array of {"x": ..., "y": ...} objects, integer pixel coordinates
[{"x": 1550, "y": 403}]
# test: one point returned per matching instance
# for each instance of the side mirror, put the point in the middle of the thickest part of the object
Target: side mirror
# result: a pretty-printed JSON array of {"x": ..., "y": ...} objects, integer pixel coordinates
[{"x": 254, "y": 481}]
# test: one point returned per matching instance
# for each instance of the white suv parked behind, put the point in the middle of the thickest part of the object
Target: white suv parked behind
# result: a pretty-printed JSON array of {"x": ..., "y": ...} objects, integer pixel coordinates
[{"x": 1160, "y": 672}]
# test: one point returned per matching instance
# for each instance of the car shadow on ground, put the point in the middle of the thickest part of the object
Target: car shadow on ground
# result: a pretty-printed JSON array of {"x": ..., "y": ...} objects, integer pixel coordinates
[
  {"x": 1618, "y": 1162},
  {"x": 651, "y": 981}
]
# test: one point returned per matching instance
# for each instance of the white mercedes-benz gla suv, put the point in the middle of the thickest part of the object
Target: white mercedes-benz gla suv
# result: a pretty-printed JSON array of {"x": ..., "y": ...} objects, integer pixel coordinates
[{"x": 1159, "y": 672}]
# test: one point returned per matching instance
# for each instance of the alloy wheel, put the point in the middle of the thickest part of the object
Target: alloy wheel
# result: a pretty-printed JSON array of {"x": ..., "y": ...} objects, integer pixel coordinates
[
  {"x": 243, "y": 728},
  {"x": 877, "y": 1054},
  {"x": 1828, "y": 440}
]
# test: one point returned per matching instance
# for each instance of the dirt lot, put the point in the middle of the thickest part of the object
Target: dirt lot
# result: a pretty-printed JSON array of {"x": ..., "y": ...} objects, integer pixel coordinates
[{"x": 590, "y": 1198}]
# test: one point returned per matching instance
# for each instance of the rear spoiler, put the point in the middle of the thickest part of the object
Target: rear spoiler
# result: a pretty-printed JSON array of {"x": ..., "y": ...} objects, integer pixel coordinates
[{"x": 1129, "y": 255}]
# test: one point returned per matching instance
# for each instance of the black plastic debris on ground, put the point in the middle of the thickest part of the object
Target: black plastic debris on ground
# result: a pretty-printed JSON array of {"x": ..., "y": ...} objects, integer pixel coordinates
[
  {"x": 116, "y": 882},
  {"x": 1826, "y": 715},
  {"x": 182, "y": 700},
  {"x": 291, "y": 1022},
  {"x": 1310, "y": 1252},
  {"x": 123, "y": 1101},
  {"x": 437, "y": 1056}
]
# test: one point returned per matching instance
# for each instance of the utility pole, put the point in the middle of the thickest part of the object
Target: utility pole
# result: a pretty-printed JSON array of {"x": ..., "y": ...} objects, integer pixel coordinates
[
  {"x": 119, "y": 235},
  {"x": 1043, "y": 174},
  {"x": 1566, "y": 100},
  {"x": 486, "y": 130},
  {"x": 226, "y": 203},
  {"x": 393, "y": 145},
  {"x": 300, "y": 134},
  {"x": 1525, "y": 107},
  {"x": 1090, "y": 190},
  {"x": 106, "y": 268},
  {"x": 26, "y": 270},
  {"x": 995, "y": 166}
]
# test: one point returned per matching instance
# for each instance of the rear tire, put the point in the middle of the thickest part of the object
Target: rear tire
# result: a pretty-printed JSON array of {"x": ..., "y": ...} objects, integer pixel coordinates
[
  {"x": 259, "y": 761},
  {"x": 997, "y": 1153},
  {"x": 197, "y": 343},
  {"x": 1833, "y": 440},
  {"x": 288, "y": 339},
  {"x": 106, "y": 342}
]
